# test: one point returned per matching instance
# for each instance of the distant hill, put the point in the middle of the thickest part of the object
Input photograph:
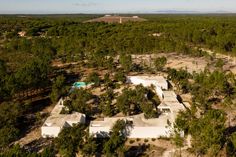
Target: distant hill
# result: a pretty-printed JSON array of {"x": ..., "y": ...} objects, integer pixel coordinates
[
  {"x": 190, "y": 12},
  {"x": 117, "y": 19}
]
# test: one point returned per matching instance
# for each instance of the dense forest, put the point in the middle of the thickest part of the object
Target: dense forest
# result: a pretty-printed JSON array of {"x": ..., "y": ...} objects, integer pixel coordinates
[
  {"x": 47, "y": 38},
  {"x": 29, "y": 45}
]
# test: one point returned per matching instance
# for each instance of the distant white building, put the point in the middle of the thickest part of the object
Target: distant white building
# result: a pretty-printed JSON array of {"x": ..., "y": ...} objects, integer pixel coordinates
[
  {"x": 22, "y": 33},
  {"x": 56, "y": 121},
  {"x": 156, "y": 34}
]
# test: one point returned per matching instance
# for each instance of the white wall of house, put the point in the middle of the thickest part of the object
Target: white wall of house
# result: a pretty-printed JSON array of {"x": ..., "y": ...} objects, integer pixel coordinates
[
  {"x": 159, "y": 92},
  {"x": 149, "y": 132},
  {"x": 136, "y": 132},
  {"x": 99, "y": 131},
  {"x": 74, "y": 122},
  {"x": 163, "y": 85},
  {"x": 136, "y": 80},
  {"x": 50, "y": 131},
  {"x": 56, "y": 121}
]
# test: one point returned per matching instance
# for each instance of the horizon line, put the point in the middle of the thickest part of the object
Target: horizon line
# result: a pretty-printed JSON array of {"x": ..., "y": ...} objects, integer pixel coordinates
[{"x": 102, "y": 13}]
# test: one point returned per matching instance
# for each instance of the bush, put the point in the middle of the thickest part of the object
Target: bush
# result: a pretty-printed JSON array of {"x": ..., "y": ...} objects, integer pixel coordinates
[
  {"x": 164, "y": 138},
  {"x": 94, "y": 77},
  {"x": 120, "y": 76},
  {"x": 145, "y": 140},
  {"x": 131, "y": 141}
]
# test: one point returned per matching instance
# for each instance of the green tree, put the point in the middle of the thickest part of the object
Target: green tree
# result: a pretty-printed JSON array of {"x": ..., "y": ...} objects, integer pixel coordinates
[
  {"x": 90, "y": 147},
  {"x": 160, "y": 63},
  {"x": 231, "y": 145},
  {"x": 118, "y": 136},
  {"x": 120, "y": 76},
  {"x": 57, "y": 88},
  {"x": 208, "y": 131},
  {"x": 78, "y": 102},
  {"x": 10, "y": 114},
  {"x": 70, "y": 140},
  {"x": 126, "y": 62},
  {"x": 123, "y": 102},
  {"x": 94, "y": 78},
  {"x": 178, "y": 141},
  {"x": 219, "y": 63},
  {"x": 106, "y": 103}
]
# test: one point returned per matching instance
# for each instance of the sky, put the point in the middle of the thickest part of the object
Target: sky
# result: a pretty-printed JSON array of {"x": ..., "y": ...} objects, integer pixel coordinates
[{"x": 114, "y": 6}]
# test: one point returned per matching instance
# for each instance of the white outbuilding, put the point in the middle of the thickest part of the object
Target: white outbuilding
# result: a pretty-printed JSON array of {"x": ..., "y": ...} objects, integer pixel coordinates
[
  {"x": 140, "y": 128},
  {"x": 159, "y": 83},
  {"x": 147, "y": 81},
  {"x": 162, "y": 126},
  {"x": 56, "y": 121}
]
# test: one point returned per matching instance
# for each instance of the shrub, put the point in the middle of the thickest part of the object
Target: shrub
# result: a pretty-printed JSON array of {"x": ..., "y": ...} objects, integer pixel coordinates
[{"x": 131, "y": 141}]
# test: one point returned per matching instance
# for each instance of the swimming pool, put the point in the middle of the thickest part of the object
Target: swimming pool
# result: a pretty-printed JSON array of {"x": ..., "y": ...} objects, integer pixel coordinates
[{"x": 79, "y": 84}]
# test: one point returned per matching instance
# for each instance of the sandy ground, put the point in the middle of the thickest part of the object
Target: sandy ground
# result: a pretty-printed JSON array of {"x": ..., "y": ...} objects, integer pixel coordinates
[
  {"x": 116, "y": 19},
  {"x": 157, "y": 146},
  {"x": 163, "y": 148},
  {"x": 35, "y": 134},
  {"x": 191, "y": 64},
  {"x": 229, "y": 60},
  {"x": 177, "y": 61},
  {"x": 174, "y": 60}
]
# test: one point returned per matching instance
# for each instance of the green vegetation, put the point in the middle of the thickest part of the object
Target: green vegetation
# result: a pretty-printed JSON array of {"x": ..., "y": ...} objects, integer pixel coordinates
[
  {"x": 77, "y": 101},
  {"x": 27, "y": 74},
  {"x": 94, "y": 77},
  {"x": 126, "y": 62},
  {"x": 159, "y": 63},
  {"x": 70, "y": 140},
  {"x": 115, "y": 145},
  {"x": 16, "y": 150},
  {"x": 57, "y": 88},
  {"x": 10, "y": 115},
  {"x": 106, "y": 103},
  {"x": 208, "y": 129},
  {"x": 134, "y": 101}
]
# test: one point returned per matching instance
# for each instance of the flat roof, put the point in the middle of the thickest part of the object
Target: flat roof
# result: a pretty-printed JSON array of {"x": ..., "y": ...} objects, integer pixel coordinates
[
  {"x": 159, "y": 79},
  {"x": 61, "y": 119},
  {"x": 58, "y": 107},
  {"x": 174, "y": 106},
  {"x": 170, "y": 96},
  {"x": 58, "y": 120},
  {"x": 138, "y": 121}
]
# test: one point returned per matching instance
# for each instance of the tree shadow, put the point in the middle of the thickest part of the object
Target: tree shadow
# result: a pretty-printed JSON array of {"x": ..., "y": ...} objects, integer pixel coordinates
[
  {"x": 39, "y": 144},
  {"x": 136, "y": 151}
]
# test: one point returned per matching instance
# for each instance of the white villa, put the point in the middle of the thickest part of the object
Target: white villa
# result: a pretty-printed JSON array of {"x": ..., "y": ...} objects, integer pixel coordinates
[
  {"x": 142, "y": 127},
  {"x": 56, "y": 121},
  {"x": 146, "y": 81},
  {"x": 159, "y": 83}
]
